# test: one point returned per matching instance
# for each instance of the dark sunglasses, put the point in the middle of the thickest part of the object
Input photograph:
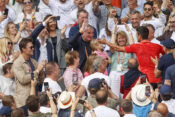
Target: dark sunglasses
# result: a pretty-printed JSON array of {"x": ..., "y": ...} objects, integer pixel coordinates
[
  {"x": 147, "y": 9},
  {"x": 10, "y": 43},
  {"x": 171, "y": 22},
  {"x": 27, "y": 2},
  {"x": 31, "y": 47}
]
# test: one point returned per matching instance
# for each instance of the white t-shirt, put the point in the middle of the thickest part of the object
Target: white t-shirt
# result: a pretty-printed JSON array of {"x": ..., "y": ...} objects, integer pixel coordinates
[
  {"x": 155, "y": 41},
  {"x": 20, "y": 17},
  {"x": 103, "y": 111},
  {"x": 158, "y": 25},
  {"x": 129, "y": 115},
  {"x": 171, "y": 105},
  {"x": 108, "y": 38},
  {"x": 45, "y": 109},
  {"x": 86, "y": 80},
  {"x": 53, "y": 85}
]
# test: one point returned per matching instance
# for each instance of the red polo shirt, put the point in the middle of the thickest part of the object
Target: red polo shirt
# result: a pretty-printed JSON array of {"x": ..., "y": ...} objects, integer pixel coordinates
[{"x": 144, "y": 51}]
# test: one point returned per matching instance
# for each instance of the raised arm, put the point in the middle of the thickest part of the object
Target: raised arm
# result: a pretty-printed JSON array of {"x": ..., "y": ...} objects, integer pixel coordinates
[
  {"x": 131, "y": 39},
  {"x": 46, "y": 2}
]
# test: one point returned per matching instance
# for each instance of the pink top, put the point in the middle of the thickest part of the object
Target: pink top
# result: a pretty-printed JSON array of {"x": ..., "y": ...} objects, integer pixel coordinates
[
  {"x": 68, "y": 76},
  {"x": 102, "y": 54}
]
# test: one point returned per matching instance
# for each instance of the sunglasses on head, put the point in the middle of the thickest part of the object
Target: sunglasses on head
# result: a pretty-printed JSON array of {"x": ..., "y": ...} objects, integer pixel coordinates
[
  {"x": 31, "y": 47},
  {"x": 27, "y": 2},
  {"x": 147, "y": 9},
  {"x": 10, "y": 43}
]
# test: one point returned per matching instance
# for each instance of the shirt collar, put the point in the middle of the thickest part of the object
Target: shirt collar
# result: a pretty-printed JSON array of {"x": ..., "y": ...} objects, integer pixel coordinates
[{"x": 40, "y": 41}]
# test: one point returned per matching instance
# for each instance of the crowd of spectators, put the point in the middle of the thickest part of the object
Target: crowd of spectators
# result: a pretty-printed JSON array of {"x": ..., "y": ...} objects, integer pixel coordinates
[{"x": 87, "y": 58}]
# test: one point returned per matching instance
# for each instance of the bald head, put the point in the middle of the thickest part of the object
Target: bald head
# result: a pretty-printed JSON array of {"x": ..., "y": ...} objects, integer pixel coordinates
[
  {"x": 101, "y": 96},
  {"x": 162, "y": 108},
  {"x": 154, "y": 114},
  {"x": 133, "y": 63}
]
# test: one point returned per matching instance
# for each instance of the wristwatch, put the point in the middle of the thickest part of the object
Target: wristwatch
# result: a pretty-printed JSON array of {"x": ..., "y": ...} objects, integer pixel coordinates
[{"x": 92, "y": 111}]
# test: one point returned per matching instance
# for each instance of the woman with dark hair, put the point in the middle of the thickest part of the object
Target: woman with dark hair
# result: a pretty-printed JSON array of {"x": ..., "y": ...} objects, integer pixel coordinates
[{"x": 59, "y": 42}]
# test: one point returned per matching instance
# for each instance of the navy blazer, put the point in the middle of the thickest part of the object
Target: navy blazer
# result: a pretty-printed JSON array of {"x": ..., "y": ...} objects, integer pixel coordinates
[
  {"x": 79, "y": 45},
  {"x": 37, "y": 44}
]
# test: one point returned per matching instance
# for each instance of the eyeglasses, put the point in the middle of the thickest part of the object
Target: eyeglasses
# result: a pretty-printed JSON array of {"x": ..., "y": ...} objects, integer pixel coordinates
[
  {"x": 147, "y": 9},
  {"x": 10, "y": 43},
  {"x": 27, "y": 2},
  {"x": 31, "y": 47}
]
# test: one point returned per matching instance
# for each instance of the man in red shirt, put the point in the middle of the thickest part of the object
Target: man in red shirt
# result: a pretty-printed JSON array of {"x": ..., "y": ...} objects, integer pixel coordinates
[{"x": 144, "y": 51}]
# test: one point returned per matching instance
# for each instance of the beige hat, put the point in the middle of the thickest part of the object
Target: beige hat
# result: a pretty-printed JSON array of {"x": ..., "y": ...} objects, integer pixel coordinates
[
  {"x": 65, "y": 100},
  {"x": 138, "y": 95}
]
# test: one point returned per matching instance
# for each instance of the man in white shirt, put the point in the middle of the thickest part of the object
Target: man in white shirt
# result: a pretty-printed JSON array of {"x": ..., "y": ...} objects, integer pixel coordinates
[
  {"x": 7, "y": 14},
  {"x": 150, "y": 19},
  {"x": 151, "y": 34},
  {"x": 52, "y": 74},
  {"x": 102, "y": 110},
  {"x": 126, "y": 108},
  {"x": 7, "y": 82},
  {"x": 99, "y": 67}
]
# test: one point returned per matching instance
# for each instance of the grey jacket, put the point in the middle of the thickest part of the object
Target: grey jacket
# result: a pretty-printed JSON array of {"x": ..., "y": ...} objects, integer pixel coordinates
[{"x": 61, "y": 49}]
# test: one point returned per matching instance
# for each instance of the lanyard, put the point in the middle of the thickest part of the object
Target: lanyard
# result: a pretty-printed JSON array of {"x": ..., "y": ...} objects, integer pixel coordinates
[{"x": 122, "y": 58}]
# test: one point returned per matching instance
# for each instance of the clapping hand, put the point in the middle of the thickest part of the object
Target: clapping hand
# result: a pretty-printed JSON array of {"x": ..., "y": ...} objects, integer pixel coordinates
[
  {"x": 63, "y": 30},
  {"x": 155, "y": 61}
]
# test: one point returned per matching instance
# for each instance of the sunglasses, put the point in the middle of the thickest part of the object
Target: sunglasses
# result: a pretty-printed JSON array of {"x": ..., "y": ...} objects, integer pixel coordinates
[
  {"x": 10, "y": 43},
  {"x": 147, "y": 9},
  {"x": 171, "y": 22},
  {"x": 31, "y": 47},
  {"x": 27, "y": 2}
]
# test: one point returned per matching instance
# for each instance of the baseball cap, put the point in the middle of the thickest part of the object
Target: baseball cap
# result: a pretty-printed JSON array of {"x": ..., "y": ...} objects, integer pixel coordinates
[
  {"x": 165, "y": 89},
  {"x": 168, "y": 43},
  {"x": 95, "y": 83}
]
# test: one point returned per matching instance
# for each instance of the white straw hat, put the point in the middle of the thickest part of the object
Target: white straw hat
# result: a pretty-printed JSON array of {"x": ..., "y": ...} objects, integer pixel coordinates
[
  {"x": 138, "y": 95},
  {"x": 65, "y": 100}
]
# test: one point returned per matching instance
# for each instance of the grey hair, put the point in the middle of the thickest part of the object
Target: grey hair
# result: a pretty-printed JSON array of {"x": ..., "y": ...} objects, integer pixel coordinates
[
  {"x": 154, "y": 114},
  {"x": 88, "y": 27},
  {"x": 96, "y": 64},
  {"x": 135, "y": 12}
]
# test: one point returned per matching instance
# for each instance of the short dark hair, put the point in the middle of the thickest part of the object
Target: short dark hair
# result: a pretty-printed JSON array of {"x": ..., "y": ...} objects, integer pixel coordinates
[
  {"x": 32, "y": 103},
  {"x": 149, "y": 3},
  {"x": 43, "y": 98},
  {"x": 81, "y": 11},
  {"x": 143, "y": 31},
  {"x": 135, "y": 12},
  {"x": 126, "y": 106},
  {"x": 166, "y": 96},
  {"x": 18, "y": 112},
  {"x": 50, "y": 67},
  {"x": 8, "y": 100},
  {"x": 6, "y": 67},
  {"x": 23, "y": 43},
  {"x": 101, "y": 96}
]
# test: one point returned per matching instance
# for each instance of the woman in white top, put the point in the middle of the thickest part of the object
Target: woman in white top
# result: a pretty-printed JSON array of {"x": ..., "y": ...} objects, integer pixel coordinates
[
  {"x": 14, "y": 34},
  {"x": 6, "y": 52}
]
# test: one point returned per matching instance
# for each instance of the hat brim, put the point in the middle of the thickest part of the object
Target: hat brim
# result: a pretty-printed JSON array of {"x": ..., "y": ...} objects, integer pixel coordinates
[
  {"x": 62, "y": 106},
  {"x": 134, "y": 98}
]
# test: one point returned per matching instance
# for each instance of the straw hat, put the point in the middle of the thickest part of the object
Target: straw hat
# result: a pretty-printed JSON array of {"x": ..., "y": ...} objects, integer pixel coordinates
[
  {"x": 65, "y": 100},
  {"x": 138, "y": 95}
]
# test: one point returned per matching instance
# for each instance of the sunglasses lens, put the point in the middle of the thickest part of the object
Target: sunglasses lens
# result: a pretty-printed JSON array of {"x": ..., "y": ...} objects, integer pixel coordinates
[{"x": 10, "y": 43}]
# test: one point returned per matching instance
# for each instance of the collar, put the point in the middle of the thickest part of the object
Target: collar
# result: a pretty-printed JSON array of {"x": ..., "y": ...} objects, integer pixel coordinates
[
  {"x": 145, "y": 41},
  {"x": 40, "y": 41}
]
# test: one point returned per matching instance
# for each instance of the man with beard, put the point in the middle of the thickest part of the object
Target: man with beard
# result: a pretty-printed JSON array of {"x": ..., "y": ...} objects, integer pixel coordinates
[{"x": 150, "y": 19}]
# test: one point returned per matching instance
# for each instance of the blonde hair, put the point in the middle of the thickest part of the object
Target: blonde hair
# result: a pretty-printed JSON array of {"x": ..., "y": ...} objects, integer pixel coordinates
[
  {"x": 70, "y": 56},
  {"x": 94, "y": 43},
  {"x": 6, "y": 33},
  {"x": 4, "y": 51},
  {"x": 89, "y": 63},
  {"x": 123, "y": 34}
]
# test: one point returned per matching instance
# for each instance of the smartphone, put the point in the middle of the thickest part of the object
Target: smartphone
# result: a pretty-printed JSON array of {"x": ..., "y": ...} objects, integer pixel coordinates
[
  {"x": 74, "y": 79},
  {"x": 147, "y": 91},
  {"x": 6, "y": 11},
  {"x": 56, "y": 18},
  {"x": 143, "y": 78},
  {"x": 56, "y": 94},
  {"x": 81, "y": 101},
  {"x": 46, "y": 86}
]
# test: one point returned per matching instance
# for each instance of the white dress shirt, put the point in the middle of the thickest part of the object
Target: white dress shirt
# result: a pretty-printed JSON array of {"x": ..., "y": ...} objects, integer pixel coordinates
[
  {"x": 53, "y": 85},
  {"x": 10, "y": 18},
  {"x": 103, "y": 111},
  {"x": 43, "y": 52},
  {"x": 86, "y": 80},
  {"x": 155, "y": 41},
  {"x": 173, "y": 36},
  {"x": 171, "y": 105}
]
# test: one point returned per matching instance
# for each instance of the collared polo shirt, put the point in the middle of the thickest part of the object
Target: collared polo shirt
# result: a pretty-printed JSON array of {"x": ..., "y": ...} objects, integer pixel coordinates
[{"x": 144, "y": 51}]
